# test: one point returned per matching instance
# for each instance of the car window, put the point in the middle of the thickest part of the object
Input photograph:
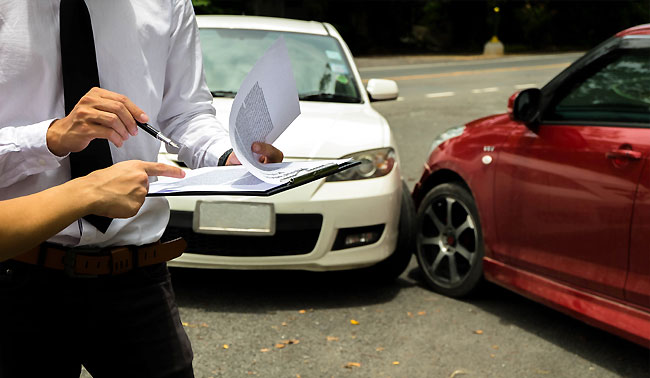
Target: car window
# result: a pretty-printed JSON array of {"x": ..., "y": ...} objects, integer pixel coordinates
[
  {"x": 618, "y": 91},
  {"x": 320, "y": 67}
]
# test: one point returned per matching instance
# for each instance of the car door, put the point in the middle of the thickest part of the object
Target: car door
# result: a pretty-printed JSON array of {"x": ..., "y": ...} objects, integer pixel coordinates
[
  {"x": 565, "y": 192},
  {"x": 637, "y": 286}
]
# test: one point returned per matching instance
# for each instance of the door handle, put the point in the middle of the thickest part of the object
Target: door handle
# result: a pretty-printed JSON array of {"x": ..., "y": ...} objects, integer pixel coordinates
[{"x": 624, "y": 154}]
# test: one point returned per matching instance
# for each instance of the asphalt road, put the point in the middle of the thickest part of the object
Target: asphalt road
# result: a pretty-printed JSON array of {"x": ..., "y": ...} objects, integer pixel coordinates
[{"x": 302, "y": 324}]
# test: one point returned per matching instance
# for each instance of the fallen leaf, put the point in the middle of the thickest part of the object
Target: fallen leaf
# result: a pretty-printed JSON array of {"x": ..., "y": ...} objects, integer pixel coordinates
[
  {"x": 379, "y": 349},
  {"x": 204, "y": 325},
  {"x": 332, "y": 338},
  {"x": 185, "y": 324},
  {"x": 478, "y": 332},
  {"x": 395, "y": 362},
  {"x": 284, "y": 324},
  {"x": 410, "y": 314},
  {"x": 354, "y": 322},
  {"x": 264, "y": 350},
  {"x": 495, "y": 347},
  {"x": 225, "y": 346},
  {"x": 280, "y": 346},
  {"x": 457, "y": 372},
  {"x": 302, "y": 311},
  {"x": 351, "y": 365},
  {"x": 422, "y": 313},
  {"x": 492, "y": 355}
]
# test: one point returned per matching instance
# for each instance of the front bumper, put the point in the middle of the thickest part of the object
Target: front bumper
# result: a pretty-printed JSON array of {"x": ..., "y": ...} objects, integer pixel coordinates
[{"x": 308, "y": 220}]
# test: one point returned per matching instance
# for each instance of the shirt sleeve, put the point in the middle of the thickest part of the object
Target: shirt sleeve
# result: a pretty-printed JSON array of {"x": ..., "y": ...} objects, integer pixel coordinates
[
  {"x": 24, "y": 152},
  {"x": 187, "y": 114}
]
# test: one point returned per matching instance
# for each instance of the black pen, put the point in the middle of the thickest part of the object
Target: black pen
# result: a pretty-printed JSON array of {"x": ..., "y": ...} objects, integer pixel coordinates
[{"x": 157, "y": 134}]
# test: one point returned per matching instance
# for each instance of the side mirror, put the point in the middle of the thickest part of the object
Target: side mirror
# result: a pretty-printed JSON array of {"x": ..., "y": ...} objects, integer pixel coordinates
[
  {"x": 382, "y": 89},
  {"x": 524, "y": 106}
]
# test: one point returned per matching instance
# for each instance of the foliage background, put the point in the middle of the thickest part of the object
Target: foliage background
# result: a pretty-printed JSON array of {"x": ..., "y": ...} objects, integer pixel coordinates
[{"x": 453, "y": 26}]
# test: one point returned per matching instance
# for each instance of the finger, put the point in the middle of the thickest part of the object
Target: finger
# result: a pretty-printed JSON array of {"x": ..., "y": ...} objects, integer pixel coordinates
[
  {"x": 97, "y": 131},
  {"x": 109, "y": 120},
  {"x": 160, "y": 169},
  {"x": 135, "y": 111},
  {"x": 119, "y": 109},
  {"x": 272, "y": 154}
]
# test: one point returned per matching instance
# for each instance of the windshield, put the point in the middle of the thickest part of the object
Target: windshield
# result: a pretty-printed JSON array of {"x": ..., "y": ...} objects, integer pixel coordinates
[{"x": 320, "y": 68}]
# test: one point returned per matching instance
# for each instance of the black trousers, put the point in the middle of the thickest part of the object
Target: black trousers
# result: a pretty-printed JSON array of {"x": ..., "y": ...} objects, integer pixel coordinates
[{"x": 119, "y": 326}]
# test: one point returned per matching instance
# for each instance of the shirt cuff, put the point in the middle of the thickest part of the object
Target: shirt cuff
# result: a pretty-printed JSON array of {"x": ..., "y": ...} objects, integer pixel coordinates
[{"x": 35, "y": 144}]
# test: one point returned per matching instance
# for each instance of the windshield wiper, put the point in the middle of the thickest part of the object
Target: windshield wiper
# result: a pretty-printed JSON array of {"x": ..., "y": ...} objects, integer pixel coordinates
[
  {"x": 329, "y": 97},
  {"x": 230, "y": 94}
]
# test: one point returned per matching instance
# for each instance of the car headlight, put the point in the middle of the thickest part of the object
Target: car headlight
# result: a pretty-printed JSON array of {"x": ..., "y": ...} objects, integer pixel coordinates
[
  {"x": 374, "y": 163},
  {"x": 445, "y": 136}
]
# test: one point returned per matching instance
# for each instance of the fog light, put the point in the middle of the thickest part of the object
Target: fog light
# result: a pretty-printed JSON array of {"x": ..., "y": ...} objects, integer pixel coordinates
[{"x": 357, "y": 236}]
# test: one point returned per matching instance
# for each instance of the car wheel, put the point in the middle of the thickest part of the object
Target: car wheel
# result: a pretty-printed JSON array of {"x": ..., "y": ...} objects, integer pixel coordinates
[
  {"x": 393, "y": 266},
  {"x": 449, "y": 241}
]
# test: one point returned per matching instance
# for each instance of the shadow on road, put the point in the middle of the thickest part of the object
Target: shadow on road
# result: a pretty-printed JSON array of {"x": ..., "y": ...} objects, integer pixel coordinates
[
  {"x": 601, "y": 348},
  {"x": 264, "y": 291}
]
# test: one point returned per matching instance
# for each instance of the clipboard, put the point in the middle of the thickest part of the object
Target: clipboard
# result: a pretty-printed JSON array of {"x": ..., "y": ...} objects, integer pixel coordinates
[{"x": 295, "y": 182}]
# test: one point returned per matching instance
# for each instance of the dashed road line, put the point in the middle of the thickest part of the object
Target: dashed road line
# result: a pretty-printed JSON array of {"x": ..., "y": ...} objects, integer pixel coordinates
[
  {"x": 524, "y": 86},
  {"x": 440, "y": 94},
  {"x": 486, "y": 90}
]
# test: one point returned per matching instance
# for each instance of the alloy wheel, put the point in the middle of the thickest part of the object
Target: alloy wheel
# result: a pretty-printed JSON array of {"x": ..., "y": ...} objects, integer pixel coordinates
[{"x": 448, "y": 241}]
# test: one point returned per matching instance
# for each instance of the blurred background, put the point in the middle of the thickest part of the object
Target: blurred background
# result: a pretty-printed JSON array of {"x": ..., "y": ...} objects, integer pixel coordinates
[{"x": 384, "y": 27}]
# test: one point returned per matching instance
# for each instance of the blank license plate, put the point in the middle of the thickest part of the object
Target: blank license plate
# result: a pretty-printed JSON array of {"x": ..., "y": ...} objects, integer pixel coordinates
[{"x": 234, "y": 218}]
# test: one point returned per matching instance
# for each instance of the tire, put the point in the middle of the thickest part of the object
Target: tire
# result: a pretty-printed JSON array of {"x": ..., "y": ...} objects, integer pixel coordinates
[
  {"x": 392, "y": 267},
  {"x": 449, "y": 241}
]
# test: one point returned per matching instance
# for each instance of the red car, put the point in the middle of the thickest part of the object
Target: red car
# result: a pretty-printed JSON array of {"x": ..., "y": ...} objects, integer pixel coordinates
[{"x": 552, "y": 199}]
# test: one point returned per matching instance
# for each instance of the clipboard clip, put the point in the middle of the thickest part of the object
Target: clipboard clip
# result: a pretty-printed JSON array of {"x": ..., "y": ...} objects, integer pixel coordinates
[{"x": 323, "y": 171}]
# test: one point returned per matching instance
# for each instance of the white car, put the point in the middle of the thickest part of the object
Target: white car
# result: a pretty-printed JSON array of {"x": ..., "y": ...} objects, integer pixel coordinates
[{"x": 357, "y": 218}]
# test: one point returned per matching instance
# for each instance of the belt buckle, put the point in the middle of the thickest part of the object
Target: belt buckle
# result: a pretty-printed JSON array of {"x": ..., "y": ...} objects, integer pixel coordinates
[{"x": 70, "y": 259}]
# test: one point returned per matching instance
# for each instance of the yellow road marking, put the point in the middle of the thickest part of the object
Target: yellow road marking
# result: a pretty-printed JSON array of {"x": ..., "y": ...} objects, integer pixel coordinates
[{"x": 477, "y": 72}]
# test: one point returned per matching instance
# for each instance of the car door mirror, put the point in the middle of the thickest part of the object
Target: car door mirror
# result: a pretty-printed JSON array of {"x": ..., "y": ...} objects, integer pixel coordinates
[
  {"x": 524, "y": 106},
  {"x": 382, "y": 89}
]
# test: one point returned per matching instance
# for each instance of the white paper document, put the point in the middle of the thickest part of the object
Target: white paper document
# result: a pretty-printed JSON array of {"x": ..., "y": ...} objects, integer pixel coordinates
[{"x": 265, "y": 105}]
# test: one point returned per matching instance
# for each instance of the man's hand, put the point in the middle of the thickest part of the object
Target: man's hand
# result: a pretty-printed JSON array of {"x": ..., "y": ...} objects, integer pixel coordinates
[
  {"x": 119, "y": 190},
  {"x": 268, "y": 154},
  {"x": 98, "y": 114}
]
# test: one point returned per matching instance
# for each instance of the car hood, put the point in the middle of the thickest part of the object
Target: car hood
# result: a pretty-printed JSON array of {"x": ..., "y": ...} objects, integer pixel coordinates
[{"x": 325, "y": 130}]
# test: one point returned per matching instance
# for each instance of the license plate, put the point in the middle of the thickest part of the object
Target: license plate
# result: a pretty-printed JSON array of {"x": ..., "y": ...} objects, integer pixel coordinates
[{"x": 234, "y": 218}]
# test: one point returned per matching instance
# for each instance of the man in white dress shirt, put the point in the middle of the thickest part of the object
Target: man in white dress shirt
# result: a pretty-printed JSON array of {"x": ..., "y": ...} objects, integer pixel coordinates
[{"x": 150, "y": 69}]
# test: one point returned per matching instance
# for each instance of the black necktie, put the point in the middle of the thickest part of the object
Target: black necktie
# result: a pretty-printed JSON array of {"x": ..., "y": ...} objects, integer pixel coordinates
[{"x": 79, "y": 68}]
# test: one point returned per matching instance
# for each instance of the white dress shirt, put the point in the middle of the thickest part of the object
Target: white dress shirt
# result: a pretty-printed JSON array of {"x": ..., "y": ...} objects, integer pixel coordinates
[{"x": 147, "y": 50}]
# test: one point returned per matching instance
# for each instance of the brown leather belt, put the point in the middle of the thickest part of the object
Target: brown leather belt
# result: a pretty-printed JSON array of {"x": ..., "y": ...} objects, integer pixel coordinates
[{"x": 92, "y": 262}]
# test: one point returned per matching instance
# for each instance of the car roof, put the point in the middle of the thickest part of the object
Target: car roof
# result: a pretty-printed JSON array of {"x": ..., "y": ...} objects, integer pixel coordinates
[
  {"x": 636, "y": 30},
  {"x": 261, "y": 23}
]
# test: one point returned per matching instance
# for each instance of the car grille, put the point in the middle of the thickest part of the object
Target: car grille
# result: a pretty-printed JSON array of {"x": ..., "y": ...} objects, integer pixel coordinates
[{"x": 295, "y": 234}]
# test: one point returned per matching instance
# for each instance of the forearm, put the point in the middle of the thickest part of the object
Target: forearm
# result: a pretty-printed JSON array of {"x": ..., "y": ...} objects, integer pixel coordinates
[{"x": 27, "y": 221}]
